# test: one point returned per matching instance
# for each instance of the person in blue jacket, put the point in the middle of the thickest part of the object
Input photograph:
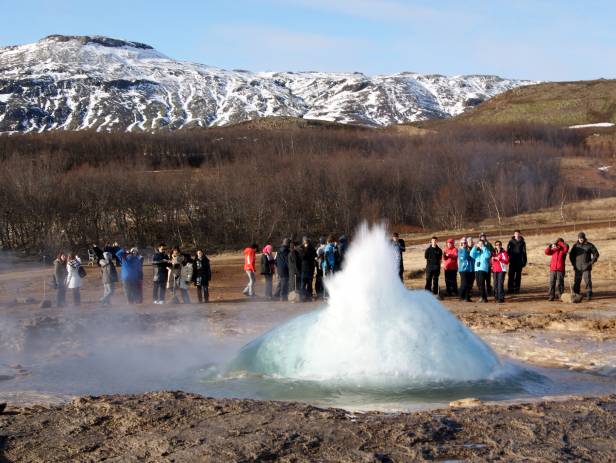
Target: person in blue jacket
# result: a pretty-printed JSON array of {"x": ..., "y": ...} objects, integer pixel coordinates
[
  {"x": 130, "y": 273},
  {"x": 482, "y": 255},
  {"x": 466, "y": 269}
]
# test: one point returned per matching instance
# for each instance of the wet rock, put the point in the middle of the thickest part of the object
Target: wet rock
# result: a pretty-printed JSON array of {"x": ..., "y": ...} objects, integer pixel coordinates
[{"x": 468, "y": 402}]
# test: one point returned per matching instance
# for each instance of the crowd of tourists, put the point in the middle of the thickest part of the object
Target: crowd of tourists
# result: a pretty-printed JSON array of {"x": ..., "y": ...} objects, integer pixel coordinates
[
  {"x": 299, "y": 268},
  {"x": 480, "y": 264},
  {"x": 174, "y": 272}
]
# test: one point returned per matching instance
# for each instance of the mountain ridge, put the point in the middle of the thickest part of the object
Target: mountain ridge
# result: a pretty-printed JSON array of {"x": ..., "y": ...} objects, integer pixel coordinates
[{"x": 105, "y": 84}]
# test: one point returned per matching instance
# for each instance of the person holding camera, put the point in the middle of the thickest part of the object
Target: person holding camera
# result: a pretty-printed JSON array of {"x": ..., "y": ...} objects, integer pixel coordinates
[{"x": 558, "y": 252}]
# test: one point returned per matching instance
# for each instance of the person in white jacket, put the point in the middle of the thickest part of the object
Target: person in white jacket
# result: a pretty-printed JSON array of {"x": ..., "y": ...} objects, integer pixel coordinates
[{"x": 73, "y": 279}]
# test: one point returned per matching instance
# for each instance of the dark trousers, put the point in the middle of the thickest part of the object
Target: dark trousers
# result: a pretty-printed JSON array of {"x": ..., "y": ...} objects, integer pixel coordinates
[
  {"x": 577, "y": 281},
  {"x": 482, "y": 283},
  {"x": 203, "y": 293},
  {"x": 268, "y": 285},
  {"x": 432, "y": 275},
  {"x": 294, "y": 282},
  {"x": 499, "y": 286},
  {"x": 282, "y": 289},
  {"x": 515, "y": 279},
  {"x": 466, "y": 284},
  {"x": 557, "y": 284},
  {"x": 61, "y": 296},
  {"x": 401, "y": 272},
  {"x": 451, "y": 282},
  {"x": 489, "y": 281},
  {"x": 319, "y": 287},
  {"x": 158, "y": 290},
  {"x": 131, "y": 291},
  {"x": 307, "y": 286}
]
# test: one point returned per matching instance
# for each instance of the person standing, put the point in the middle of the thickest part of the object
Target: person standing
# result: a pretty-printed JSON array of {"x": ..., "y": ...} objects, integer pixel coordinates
[
  {"x": 267, "y": 269},
  {"x": 433, "y": 256},
  {"x": 330, "y": 258},
  {"x": 343, "y": 246},
  {"x": 482, "y": 256},
  {"x": 139, "y": 284},
  {"x": 558, "y": 252},
  {"x": 308, "y": 256},
  {"x": 179, "y": 275},
  {"x": 129, "y": 273},
  {"x": 516, "y": 249},
  {"x": 465, "y": 268},
  {"x": 450, "y": 265},
  {"x": 471, "y": 276},
  {"x": 282, "y": 270},
  {"x": 295, "y": 268},
  {"x": 484, "y": 239},
  {"x": 161, "y": 263},
  {"x": 60, "y": 273},
  {"x": 250, "y": 257},
  {"x": 109, "y": 276},
  {"x": 399, "y": 248},
  {"x": 319, "y": 288},
  {"x": 73, "y": 277},
  {"x": 583, "y": 256},
  {"x": 202, "y": 275},
  {"x": 499, "y": 262}
]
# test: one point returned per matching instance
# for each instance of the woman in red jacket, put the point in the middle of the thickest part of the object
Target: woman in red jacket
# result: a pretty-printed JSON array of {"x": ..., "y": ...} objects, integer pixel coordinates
[
  {"x": 558, "y": 251},
  {"x": 450, "y": 264},
  {"x": 250, "y": 257},
  {"x": 500, "y": 260}
]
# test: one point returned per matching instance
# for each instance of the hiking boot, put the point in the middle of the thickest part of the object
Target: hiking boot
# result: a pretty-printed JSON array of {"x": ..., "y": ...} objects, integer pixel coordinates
[
  {"x": 589, "y": 296},
  {"x": 551, "y": 298}
]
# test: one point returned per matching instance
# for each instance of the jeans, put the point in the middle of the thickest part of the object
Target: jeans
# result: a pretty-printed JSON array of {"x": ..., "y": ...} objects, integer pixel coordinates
[
  {"x": 107, "y": 293},
  {"x": 482, "y": 279},
  {"x": 557, "y": 284},
  {"x": 203, "y": 293},
  {"x": 432, "y": 279},
  {"x": 466, "y": 283},
  {"x": 515, "y": 279},
  {"x": 76, "y": 296},
  {"x": 499, "y": 286},
  {"x": 577, "y": 281},
  {"x": 249, "y": 290},
  {"x": 282, "y": 289},
  {"x": 185, "y": 296},
  {"x": 268, "y": 285},
  {"x": 451, "y": 282},
  {"x": 159, "y": 288}
]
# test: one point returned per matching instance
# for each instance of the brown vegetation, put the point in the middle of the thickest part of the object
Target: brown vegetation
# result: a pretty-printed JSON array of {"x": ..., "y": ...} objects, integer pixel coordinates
[{"x": 225, "y": 187}]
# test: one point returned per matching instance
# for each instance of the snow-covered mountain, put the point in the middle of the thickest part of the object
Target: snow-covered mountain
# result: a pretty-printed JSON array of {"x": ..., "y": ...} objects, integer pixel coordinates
[{"x": 74, "y": 83}]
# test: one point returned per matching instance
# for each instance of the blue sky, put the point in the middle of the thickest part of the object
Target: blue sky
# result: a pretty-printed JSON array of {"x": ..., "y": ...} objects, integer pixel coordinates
[{"x": 538, "y": 39}]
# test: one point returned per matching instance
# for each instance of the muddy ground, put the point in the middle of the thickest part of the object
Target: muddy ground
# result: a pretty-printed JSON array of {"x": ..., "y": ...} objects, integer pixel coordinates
[{"x": 185, "y": 427}]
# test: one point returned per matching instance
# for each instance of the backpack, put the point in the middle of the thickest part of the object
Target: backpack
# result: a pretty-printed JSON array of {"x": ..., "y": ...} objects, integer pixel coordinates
[{"x": 81, "y": 271}]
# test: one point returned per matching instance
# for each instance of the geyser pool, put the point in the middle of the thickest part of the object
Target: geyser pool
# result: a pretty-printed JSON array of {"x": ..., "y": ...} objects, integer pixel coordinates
[{"x": 373, "y": 331}]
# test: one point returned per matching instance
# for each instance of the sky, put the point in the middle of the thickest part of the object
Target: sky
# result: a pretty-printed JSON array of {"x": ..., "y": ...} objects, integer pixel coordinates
[{"x": 528, "y": 39}]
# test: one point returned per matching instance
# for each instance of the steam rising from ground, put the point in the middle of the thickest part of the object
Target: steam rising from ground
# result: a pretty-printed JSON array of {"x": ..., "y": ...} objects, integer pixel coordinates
[{"x": 373, "y": 330}]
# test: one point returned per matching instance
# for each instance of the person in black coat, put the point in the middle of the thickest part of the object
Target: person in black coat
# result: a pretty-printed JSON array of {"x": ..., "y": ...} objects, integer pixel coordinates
[
  {"x": 308, "y": 257},
  {"x": 583, "y": 255},
  {"x": 202, "y": 275},
  {"x": 516, "y": 249},
  {"x": 433, "y": 256},
  {"x": 295, "y": 268},
  {"x": 282, "y": 268},
  {"x": 161, "y": 263},
  {"x": 399, "y": 249}
]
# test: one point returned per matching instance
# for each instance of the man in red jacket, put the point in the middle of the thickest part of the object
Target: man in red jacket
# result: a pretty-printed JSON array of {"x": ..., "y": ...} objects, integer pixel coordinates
[
  {"x": 450, "y": 264},
  {"x": 558, "y": 251},
  {"x": 250, "y": 257}
]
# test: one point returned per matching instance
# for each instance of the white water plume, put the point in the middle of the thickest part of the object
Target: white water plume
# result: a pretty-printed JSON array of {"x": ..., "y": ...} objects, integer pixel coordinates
[{"x": 372, "y": 330}]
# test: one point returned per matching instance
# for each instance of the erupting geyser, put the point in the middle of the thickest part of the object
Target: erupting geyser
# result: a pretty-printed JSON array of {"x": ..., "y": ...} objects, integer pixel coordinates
[{"x": 372, "y": 331}]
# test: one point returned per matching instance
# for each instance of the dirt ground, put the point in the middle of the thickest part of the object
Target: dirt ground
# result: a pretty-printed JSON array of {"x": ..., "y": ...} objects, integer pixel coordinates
[{"x": 166, "y": 426}]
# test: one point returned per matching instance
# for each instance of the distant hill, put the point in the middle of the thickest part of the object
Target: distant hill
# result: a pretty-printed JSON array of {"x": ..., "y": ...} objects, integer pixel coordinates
[{"x": 559, "y": 103}]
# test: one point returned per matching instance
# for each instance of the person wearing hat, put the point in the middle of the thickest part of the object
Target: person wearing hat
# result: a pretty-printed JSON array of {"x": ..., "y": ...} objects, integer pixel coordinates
[
  {"x": 465, "y": 268},
  {"x": 583, "y": 255},
  {"x": 433, "y": 256},
  {"x": 450, "y": 265}
]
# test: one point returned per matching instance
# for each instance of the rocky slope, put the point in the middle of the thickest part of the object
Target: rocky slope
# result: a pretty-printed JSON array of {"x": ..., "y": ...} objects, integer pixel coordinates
[{"x": 83, "y": 82}]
